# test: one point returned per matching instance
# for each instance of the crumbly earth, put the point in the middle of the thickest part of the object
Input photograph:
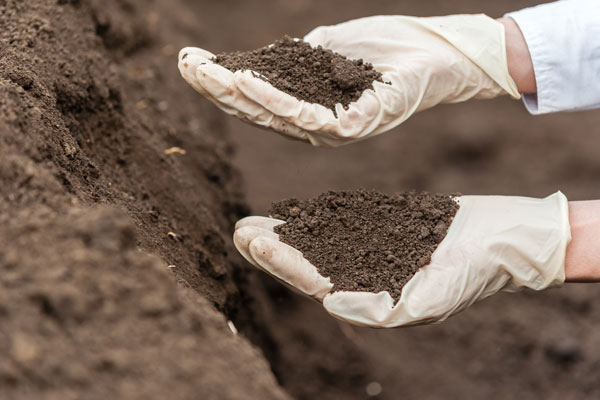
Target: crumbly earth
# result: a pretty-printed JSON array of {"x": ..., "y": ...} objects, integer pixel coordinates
[
  {"x": 315, "y": 75},
  {"x": 113, "y": 263},
  {"x": 84, "y": 314},
  {"x": 366, "y": 240}
]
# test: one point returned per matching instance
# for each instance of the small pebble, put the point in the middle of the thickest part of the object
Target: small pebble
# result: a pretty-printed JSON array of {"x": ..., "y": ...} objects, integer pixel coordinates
[{"x": 374, "y": 389}]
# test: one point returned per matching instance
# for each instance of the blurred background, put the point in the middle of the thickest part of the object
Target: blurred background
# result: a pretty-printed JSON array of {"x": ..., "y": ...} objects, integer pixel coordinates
[{"x": 526, "y": 345}]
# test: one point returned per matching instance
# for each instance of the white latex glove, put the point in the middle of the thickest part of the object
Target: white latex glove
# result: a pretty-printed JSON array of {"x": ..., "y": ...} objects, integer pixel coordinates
[
  {"x": 427, "y": 61},
  {"x": 494, "y": 243}
]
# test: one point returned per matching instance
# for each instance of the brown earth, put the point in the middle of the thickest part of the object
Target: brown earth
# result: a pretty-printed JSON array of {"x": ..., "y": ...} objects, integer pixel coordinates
[
  {"x": 365, "y": 240},
  {"x": 116, "y": 259},
  {"x": 315, "y": 75},
  {"x": 98, "y": 223}
]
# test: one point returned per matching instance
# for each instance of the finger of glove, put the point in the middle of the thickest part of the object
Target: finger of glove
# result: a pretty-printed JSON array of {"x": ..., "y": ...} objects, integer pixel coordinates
[
  {"x": 265, "y": 94},
  {"x": 361, "y": 308},
  {"x": 282, "y": 127},
  {"x": 196, "y": 51},
  {"x": 218, "y": 82},
  {"x": 316, "y": 117},
  {"x": 361, "y": 117},
  {"x": 397, "y": 101},
  {"x": 287, "y": 264},
  {"x": 188, "y": 64},
  {"x": 258, "y": 222},
  {"x": 242, "y": 238},
  {"x": 358, "y": 120},
  {"x": 189, "y": 61},
  {"x": 289, "y": 130},
  {"x": 307, "y": 116},
  {"x": 188, "y": 67}
]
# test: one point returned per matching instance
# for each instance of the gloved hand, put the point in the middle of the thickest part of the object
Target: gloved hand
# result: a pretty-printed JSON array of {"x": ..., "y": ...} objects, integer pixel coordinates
[
  {"x": 427, "y": 61},
  {"x": 494, "y": 243}
]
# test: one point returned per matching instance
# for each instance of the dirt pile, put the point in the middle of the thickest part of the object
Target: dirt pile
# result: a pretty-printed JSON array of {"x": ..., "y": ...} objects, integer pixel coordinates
[
  {"x": 366, "y": 240},
  {"x": 85, "y": 314},
  {"x": 90, "y": 103},
  {"x": 315, "y": 75}
]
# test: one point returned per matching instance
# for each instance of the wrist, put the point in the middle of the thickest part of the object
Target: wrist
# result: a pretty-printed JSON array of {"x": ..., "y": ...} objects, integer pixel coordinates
[
  {"x": 520, "y": 66},
  {"x": 582, "y": 262}
]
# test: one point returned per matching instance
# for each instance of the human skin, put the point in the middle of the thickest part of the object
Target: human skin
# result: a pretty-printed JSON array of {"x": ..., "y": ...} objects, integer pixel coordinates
[
  {"x": 582, "y": 263},
  {"x": 520, "y": 65}
]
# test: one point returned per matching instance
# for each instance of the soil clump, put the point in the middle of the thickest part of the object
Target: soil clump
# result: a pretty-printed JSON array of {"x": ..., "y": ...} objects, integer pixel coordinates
[
  {"x": 315, "y": 75},
  {"x": 366, "y": 240}
]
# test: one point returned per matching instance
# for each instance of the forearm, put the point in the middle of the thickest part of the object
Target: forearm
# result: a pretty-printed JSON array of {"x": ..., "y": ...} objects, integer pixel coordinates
[
  {"x": 582, "y": 263},
  {"x": 520, "y": 65}
]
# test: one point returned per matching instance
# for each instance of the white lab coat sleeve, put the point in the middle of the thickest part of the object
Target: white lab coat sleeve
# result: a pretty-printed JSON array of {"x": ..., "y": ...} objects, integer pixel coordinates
[{"x": 564, "y": 41}]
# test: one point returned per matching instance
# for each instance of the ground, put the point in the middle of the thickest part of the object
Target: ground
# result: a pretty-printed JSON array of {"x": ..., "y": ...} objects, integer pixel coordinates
[{"x": 118, "y": 274}]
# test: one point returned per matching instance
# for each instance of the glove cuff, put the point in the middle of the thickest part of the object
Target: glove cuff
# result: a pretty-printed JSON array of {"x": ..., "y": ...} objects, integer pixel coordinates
[
  {"x": 526, "y": 238},
  {"x": 481, "y": 39},
  {"x": 548, "y": 255}
]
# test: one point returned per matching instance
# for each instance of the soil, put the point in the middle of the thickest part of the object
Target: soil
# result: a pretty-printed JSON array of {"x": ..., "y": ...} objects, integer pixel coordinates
[
  {"x": 315, "y": 75},
  {"x": 114, "y": 273},
  {"x": 86, "y": 314},
  {"x": 366, "y": 240}
]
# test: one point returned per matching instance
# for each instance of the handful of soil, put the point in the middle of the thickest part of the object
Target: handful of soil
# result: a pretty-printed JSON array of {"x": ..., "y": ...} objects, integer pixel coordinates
[
  {"x": 315, "y": 75},
  {"x": 365, "y": 240}
]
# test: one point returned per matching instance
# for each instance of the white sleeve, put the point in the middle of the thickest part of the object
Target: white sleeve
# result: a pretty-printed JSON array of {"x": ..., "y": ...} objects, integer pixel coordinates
[{"x": 564, "y": 41}]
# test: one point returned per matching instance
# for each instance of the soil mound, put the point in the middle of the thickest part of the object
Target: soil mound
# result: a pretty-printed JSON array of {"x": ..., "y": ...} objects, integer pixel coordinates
[
  {"x": 366, "y": 240},
  {"x": 90, "y": 104},
  {"x": 84, "y": 314},
  {"x": 315, "y": 75}
]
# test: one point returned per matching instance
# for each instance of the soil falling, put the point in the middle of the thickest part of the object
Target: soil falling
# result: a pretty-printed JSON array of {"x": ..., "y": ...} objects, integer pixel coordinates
[
  {"x": 315, "y": 75},
  {"x": 366, "y": 240}
]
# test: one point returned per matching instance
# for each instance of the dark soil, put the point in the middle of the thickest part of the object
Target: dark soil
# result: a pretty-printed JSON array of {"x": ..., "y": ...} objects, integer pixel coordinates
[
  {"x": 315, "y": 75},
  {"x": 84, "y": 314},
  {"x": 113, "y": 265},
  {"x": 365, "y": 240}
]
